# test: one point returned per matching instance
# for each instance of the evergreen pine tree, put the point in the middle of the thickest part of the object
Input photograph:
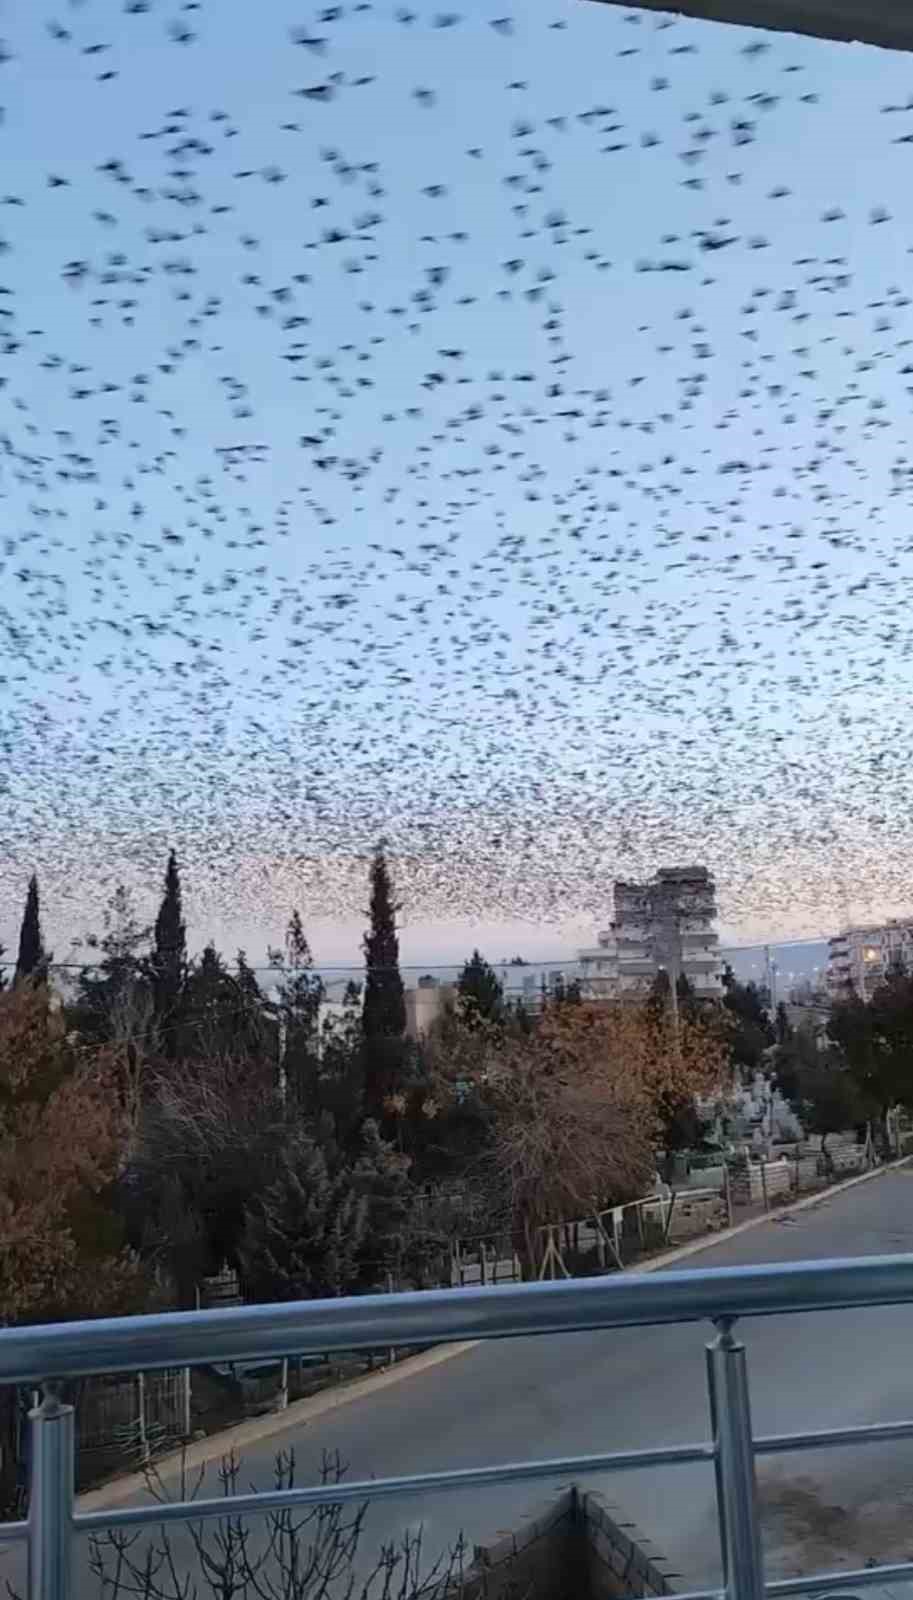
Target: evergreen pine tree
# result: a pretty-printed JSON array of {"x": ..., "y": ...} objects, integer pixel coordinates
[
  {"x": 113, "y": 999},
  {"x": 169, "y": 955},
  {"x": 303, "y": 1235},
  {"x": 380, "y": 1176},
  {"x": 480, "y": 991},
  {"x": 254, "y": 1033},
  {"x": 384, "y": 1008},
  {"x": 336, "y": 1088},
  {"x": 33, "y": 959},
  {"x": 751, "y": 1032},
  {"x": 209, "y": 1009},
  {"x": 327, "y": 1224}
]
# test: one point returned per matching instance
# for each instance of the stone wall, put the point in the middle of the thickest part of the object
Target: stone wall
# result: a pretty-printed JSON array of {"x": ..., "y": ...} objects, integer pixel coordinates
[
  {"x": 691, "y": 1218},
  {"x": 748, "y": 1184}
]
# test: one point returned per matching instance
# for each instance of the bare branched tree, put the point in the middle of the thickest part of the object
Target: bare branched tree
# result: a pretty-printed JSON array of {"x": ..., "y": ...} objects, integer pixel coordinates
[
  {"x": 209, "y": 1138},
  {"x": 578, "y": 1107},
  {"x": 314, "y": 1554}
]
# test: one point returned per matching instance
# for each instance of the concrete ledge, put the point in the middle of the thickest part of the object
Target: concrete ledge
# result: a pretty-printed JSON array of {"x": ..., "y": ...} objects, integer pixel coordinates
[{"x": 883, "y": 22}]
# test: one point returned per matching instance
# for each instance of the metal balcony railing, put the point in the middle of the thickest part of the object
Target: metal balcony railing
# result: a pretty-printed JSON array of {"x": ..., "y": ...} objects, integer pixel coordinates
[{"x": 44, "y": 1355}]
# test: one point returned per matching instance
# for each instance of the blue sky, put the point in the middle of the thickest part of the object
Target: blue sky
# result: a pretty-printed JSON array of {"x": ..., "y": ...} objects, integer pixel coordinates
[{"x": 556, "y": 587}]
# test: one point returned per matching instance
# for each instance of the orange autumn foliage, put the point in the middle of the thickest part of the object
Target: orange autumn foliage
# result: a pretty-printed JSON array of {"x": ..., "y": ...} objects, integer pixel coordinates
[
  {"x": 62, "y": 1132},
  {"x": 579, "y": 1106}
]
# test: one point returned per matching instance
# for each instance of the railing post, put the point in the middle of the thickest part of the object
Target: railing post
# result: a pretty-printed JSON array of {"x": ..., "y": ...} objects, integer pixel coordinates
[
  {"x": 717, "y": 1462},
  {"x": 141, "y": 1434},
  {"x": 738, "y": 1511},
  {"x": 600, "y": 1244},
  {"x": 50, "y": 1534},
  {"x": 186, "y": 1408}
]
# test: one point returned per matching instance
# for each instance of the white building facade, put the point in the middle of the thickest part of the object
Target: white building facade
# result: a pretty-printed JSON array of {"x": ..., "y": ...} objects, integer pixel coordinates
[
  {"x": 665, "y": 925},
  {"x": 859, "y": 959}
]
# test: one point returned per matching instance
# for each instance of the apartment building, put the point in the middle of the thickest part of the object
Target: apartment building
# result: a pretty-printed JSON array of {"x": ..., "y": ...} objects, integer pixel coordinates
[
  {"x": 858, "y": 959},
  {"x": 667, "y": 924}
]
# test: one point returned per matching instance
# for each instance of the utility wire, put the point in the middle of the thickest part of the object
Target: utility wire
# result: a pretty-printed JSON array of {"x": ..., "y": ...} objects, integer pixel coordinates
[{"x": 555, "y": 962}]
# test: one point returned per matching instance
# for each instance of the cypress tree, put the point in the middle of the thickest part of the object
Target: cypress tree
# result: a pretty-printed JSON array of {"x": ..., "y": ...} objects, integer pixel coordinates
[
  {"x": 33, "y": 958},
  {"x": 384, "y": 1010},
  {"x": 169, "y": 954},
  {"x": 383, "y": 1016}
]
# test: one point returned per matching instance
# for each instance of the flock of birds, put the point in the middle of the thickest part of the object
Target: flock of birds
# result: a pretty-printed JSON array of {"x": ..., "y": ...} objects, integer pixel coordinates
[{"x": 489, "y": 432}]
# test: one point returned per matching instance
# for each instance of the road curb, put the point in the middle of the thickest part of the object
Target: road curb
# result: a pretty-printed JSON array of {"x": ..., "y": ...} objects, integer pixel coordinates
[{"x": 216, "y": 1445}]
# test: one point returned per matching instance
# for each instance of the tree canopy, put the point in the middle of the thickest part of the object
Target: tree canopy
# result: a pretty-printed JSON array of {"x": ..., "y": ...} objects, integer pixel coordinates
[
  {"x": 62, "y": 1139},
  {"x": 751, "y": 1032},
  {"x": 876, "y": 1039},
  {"x": 577, "y": 1105}
]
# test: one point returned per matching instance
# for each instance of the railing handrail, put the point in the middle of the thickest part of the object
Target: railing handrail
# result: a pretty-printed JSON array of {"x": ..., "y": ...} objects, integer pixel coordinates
[{"x": 436, "y": 1316}]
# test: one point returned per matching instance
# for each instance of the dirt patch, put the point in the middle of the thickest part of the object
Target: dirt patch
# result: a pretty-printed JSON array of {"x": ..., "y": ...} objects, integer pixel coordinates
[{"x": 806, "y": 1529}]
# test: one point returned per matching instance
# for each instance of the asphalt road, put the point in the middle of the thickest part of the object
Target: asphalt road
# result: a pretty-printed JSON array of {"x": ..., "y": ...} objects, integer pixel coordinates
[{"x": 625, "y": 1389}]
